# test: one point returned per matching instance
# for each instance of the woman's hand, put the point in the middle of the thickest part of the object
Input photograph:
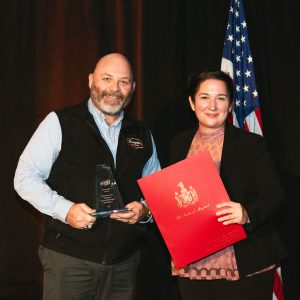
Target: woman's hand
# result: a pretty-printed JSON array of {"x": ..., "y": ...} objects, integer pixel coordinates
[{"x": 232, "y": 213}]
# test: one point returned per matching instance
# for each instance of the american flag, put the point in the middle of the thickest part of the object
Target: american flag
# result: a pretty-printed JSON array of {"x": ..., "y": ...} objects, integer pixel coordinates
[{"x": 237, "y": 60}]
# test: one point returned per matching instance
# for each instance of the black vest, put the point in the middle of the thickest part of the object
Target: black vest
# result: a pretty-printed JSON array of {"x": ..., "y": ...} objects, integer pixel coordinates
[{"x": 73, "y": 176}]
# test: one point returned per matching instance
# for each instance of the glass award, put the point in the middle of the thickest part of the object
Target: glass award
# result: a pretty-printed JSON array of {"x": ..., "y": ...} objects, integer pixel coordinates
[{"x": 108, "y": 198}]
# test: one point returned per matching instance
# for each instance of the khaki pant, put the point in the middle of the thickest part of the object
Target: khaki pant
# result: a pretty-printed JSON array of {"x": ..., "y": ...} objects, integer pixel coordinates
[{"x": 69, "y": 278}]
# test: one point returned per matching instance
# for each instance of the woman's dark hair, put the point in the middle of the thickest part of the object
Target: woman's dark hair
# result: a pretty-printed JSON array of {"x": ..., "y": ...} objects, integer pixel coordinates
[{"x": 197, "y": 78}]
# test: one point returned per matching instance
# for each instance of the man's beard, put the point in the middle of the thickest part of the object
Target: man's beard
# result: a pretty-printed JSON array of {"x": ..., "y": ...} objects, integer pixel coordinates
[{"x": 111, "y": 109}]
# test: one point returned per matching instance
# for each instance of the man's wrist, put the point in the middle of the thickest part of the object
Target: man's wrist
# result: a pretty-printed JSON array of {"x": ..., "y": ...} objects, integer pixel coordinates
[{"x": 146, "y": 214}]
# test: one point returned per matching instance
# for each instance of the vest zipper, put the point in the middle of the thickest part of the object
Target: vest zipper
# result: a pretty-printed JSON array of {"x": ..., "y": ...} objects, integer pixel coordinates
[{"x": 106, "y": 241}]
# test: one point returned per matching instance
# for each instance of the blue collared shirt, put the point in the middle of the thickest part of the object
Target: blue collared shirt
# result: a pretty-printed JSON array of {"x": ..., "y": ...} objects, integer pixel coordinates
[{"x": 42, "y": 150}]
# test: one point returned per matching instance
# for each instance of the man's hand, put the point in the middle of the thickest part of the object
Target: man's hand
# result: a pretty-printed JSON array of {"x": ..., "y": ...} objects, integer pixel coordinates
[
  {"x": 79, "y": 216},
  {"x": 137, "y": 213}
]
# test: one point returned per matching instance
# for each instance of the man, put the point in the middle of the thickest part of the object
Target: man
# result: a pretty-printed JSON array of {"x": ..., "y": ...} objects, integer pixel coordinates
[{"x": 84, "y": 257}]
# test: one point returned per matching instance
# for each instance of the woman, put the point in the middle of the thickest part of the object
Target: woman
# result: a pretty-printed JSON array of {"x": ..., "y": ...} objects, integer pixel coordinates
[{"x": 244, "y": 270}]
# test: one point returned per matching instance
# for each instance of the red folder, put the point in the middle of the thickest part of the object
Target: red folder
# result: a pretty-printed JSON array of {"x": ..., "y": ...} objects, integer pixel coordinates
[{"x": 182, "y": 199}]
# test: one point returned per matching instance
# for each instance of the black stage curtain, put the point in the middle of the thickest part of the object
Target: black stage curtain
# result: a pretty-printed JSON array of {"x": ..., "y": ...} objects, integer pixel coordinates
[{"x": 48, "y": 48}]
